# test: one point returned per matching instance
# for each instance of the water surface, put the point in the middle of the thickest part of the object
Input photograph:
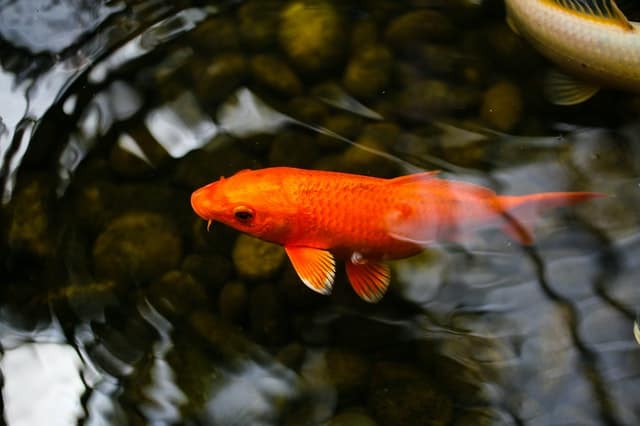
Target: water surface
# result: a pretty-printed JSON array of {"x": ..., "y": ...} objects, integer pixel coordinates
[{"x": 117, "y": 307}]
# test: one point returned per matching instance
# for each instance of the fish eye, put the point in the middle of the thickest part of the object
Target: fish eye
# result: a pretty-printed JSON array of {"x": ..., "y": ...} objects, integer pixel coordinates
[{"x": 243, "y": 214}]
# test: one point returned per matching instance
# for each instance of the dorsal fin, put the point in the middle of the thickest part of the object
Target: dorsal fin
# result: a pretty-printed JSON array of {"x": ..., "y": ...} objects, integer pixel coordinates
[
  {"x": 415, "y": 177},
  {"x": 603, "y": 9}
]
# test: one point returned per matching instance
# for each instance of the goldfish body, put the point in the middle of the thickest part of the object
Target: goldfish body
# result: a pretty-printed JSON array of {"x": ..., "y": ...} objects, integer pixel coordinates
[
  {"x": 591, "y": 39},
  {"x": 319, "y": 216}
]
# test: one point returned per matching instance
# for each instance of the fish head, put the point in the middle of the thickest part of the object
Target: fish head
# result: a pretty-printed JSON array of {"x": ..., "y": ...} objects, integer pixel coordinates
[{"x": 253, "y": 202}]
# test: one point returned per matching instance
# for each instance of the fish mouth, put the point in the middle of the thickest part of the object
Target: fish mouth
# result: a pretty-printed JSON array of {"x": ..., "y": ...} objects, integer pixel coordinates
[{"x": 201, "y": 204}]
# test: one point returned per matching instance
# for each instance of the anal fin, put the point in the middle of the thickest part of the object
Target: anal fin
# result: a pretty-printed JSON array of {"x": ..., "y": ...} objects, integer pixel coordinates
[
  {"x": 315, "y": 267},
  {"x": 369, "y": 279}
]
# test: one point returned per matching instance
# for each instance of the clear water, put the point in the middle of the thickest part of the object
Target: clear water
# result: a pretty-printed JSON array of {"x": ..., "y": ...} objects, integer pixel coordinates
[{"x": 117, "y": 307}]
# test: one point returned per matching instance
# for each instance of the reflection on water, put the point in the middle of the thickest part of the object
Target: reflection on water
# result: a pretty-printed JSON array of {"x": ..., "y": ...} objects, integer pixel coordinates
[
  {"x": 118, "y": 307},
  {"x": 41, "y": 379}
]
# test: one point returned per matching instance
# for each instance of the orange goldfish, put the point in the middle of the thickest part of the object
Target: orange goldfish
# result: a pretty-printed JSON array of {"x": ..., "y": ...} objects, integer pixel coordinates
[{"x": 319, "y": 216}]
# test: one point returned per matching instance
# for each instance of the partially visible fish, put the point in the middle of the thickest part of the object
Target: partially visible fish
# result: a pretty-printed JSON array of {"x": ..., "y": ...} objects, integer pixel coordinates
[
  {"x": 319, "y": 216},
  {"x": 589, "y": 39},
  {"x": 636, "y": 329}
]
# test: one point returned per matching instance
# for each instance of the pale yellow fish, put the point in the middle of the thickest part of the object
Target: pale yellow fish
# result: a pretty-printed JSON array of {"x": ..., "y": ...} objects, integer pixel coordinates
[
  {"x": 636, "y": 329},
  {"x": 591, "y": 40}
]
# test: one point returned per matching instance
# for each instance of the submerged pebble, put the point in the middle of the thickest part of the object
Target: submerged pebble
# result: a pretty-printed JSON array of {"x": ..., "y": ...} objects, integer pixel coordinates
[
  {"x": 363, "y": 34},
  {"x": 312, "y": 34},
  {"x": 256, "y": 259},
  {"x": 418, "y": 26},
  {"x": 215, "y": 35},
  {"x": 177, "y": 292},
  {"x": 274, "y": 74},
  {"x": 307, "y": 109},
  {"x": 216, "y": 79},
  {"x": 424, "y": 99},
  {"x": 233, "y": 301},
  {"x": 345, "y": 125},
  {"x": 137, "y": 247},
  {"x": 364, "y": 157},
  {"x": 30, "y": 227},
  {"x": 97, "y": 203},
  {"x": 258, "y": 22},
  {"x": 502, "y": 106},
  {"x": 368, "y": 72}
]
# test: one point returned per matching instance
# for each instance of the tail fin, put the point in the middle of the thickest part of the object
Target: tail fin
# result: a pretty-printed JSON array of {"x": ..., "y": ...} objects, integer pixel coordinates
[{"x": 522, "y": 211}]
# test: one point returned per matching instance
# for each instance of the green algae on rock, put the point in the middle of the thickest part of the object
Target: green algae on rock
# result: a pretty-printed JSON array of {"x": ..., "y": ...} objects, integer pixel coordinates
[
  {"x": 215, "y": 35},
  {"x": 137, "y": 247},
  {"x": 312, "y": 34},
  {"x": 259, "y": 20},
  {"x": 272, "y": 73},
  {"x": 256, "y": 259},
  {"x": 425, "y": 99},
  {"x": 368, "y": 72},
  {"x": 30, "y": 226},
  {"x": 216, "y": 79},
  {"x": 177, "y": 293},
  {"x": 502, "y": 106},
  {"x": 346, "y": 125},
  {"x": 418, "y": 26}
]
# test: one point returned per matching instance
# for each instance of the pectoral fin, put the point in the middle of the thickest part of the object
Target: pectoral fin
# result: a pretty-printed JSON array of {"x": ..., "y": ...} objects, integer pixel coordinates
[
  {"x": 369, "y": 279},
  {"x": 316, "y": 268},
  {"x": 562, "y": 89}
]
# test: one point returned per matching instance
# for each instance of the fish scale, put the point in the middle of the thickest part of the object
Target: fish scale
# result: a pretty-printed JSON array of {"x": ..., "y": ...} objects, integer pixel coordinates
[{"x": 348, "y": 215}]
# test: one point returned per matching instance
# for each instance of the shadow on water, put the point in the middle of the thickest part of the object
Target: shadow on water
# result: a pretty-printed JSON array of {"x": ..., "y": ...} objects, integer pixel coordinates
[{"x": 117, "y": 307}]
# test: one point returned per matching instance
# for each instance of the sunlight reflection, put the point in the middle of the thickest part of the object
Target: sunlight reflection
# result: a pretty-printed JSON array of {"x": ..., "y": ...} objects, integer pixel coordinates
[
  {"x": 181, "y": 126},
  {"x": 247, "y": 115},
  {"x": 250, "y": 396},
  {"x": 41, "y": 379}
]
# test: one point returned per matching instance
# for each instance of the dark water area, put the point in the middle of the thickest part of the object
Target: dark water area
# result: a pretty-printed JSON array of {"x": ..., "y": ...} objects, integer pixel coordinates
[{"x": 118, "y": 307}]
